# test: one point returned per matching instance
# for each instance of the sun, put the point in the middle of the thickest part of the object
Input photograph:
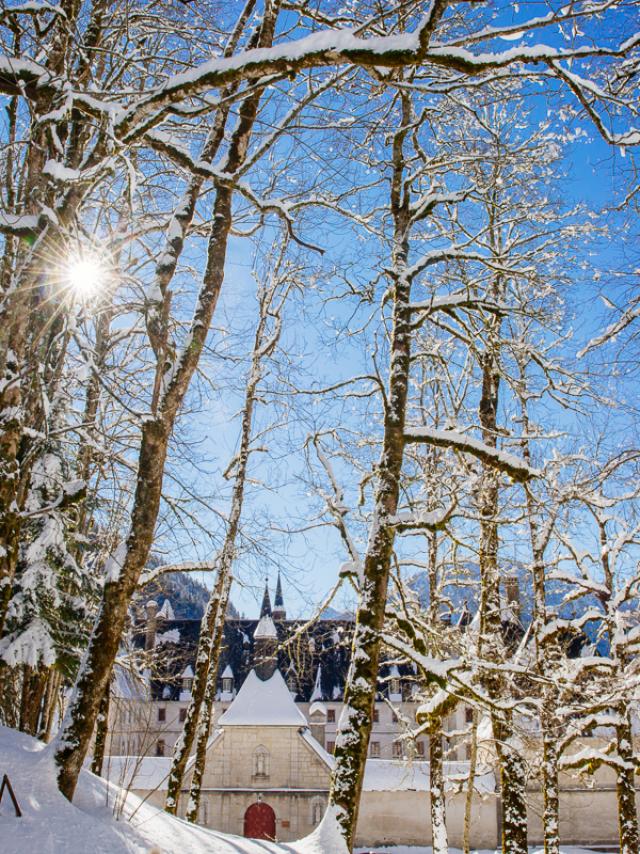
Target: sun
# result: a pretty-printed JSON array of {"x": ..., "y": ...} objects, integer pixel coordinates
[{"x": 85, "y": 276}]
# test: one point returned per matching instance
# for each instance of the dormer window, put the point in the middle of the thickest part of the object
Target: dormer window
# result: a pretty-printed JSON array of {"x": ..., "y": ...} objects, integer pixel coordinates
[
  {"x": 186, "y": 683},
  {"x": 227, "y": 680},
  {"x": 395, "y": 686}
]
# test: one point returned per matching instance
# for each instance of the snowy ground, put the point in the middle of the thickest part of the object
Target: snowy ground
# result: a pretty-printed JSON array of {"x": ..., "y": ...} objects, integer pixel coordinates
[{"x": 51, "y": 825}]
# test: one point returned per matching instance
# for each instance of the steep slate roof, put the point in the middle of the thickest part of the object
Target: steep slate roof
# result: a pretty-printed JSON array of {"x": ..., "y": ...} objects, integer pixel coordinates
[
  {"x": 324, "y": 646},
  {"x": 313, "y": 659},
  {"x": 259, "y": 703}
]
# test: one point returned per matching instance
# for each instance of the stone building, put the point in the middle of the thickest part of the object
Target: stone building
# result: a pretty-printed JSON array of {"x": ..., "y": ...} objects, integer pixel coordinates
[
  {"x": 313, "y": 660},
  {"x": 267, "y": 776},
  {"x": 277, "y": 710}
]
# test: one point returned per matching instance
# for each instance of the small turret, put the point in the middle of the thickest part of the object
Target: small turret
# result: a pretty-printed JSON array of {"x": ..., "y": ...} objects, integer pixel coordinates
[
  {"x": 279, "y": 611},
  {"x": 152, "y": 624},
  {"x": 265, "y": 645}
]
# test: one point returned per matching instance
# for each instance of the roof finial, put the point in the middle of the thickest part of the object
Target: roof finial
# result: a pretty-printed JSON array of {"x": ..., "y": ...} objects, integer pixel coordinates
[
  {"x": 265, "y": 610},
  {"x": 279, "y": 611}
]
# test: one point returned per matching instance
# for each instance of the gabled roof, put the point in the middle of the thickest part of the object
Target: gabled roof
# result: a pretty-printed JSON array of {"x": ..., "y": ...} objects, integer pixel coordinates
[{"x": 259, "y": 703}]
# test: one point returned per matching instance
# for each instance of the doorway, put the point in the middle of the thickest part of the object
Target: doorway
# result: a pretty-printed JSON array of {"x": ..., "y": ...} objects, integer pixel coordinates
[{"x": 260, "y": 822}]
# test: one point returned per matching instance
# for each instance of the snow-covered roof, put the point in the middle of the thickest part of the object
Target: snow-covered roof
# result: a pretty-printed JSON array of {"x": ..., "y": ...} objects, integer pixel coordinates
[
  {"x": 318, "y": 708},
  {"x": 394, "y": 775},
  {"x": 318, "y": 749},
  {"x": 187, "y": 673},
  {"x": 227, "y": 673},
  {"x": 266, "y": 628},
  {"x": 259, "y": 703}
]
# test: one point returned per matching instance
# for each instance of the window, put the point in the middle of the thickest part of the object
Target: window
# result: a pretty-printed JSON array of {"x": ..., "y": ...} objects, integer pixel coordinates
[
  {"x": 375, "y": 749},
  {"x": 261, "y": 762},
  {"x": 227, "y": 684},
  {"x": 420, "y": 748},
  {"x": 162, "y": 715},
  {"x": 331, "y": 746},
  {"x": 394, "y": 717},
  {"x": 468, "y": 715},
  {"x": 331, "y": 716},
  {"x": 160, "y": 747},
  {"x": 397, "y": 750},
  {"x": 182, "y": 715},
  {"x": 376, "y": 716},
  {"x": 395, "y": 685},
  {"x": 317, "y": 810}
]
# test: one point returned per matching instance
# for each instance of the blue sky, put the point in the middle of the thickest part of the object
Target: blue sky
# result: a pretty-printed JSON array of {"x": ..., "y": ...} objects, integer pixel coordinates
[{"x": 310, "y": 559}]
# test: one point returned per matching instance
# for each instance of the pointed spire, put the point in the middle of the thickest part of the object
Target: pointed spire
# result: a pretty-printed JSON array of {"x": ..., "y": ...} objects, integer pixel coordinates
[
  {"x": 279, "y": 611},
  {"x": 265, "y": 610}
]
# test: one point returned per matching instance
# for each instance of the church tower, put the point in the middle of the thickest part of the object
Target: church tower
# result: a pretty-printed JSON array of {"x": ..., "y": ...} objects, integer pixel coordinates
[
  {"x": 265, "y": 641},
  {"x": 279, "y": 611}
]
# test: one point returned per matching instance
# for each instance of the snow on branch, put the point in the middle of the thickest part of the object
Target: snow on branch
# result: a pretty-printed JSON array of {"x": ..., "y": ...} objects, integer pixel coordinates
[
  {"x": 337, "y": 47},
  {"x": 18, "y": 226},
  {"x": 626, "y": 319},
  {"x": 508, "y": 463},
  {"x": 582, "y": 88},
  {"x": 190, "y": 566},
  {"x": 434, "y": 520},
  {"x": 165, "y": 144},
  {"x": 23, "y": 77},
  {"x": 320, "y": 49},
  {"x": 459, "y": 299}
]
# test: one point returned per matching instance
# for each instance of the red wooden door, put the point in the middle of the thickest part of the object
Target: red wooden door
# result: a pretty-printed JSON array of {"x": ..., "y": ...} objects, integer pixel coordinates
[{"x": 260, "y": 822}]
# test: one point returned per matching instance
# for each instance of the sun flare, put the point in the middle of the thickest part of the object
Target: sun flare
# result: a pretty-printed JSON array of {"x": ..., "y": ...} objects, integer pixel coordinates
[{"x": 85, "y": 276}]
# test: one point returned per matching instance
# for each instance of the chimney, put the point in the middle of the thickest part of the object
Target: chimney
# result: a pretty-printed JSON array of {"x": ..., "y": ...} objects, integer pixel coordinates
[{"x": 152, "y": 621}]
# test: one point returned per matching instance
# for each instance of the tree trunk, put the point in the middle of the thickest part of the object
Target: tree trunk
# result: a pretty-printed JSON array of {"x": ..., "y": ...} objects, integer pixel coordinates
[
  {"x": 625, "y": 787},
  {"x": 49, "y": 705},
  {"x": 102, "y": 732},
  {"x": 468, "y": 801},
  {"x": 71, "y": 745},
  {"x": 206, "y": 714},
  {"x": 212, "y": 630},
  {"x": 73, "y": 741},
  {"x": 550, "y": 786},
  {"x": 440, "y": 842},
  {"x": 360, "y": 691}
]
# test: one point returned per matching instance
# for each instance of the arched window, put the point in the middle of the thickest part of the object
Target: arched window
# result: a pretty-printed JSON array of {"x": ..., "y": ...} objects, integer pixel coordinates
[
  {"x": 261, "y": 762},
  {"x": 317, "y": 810}
]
